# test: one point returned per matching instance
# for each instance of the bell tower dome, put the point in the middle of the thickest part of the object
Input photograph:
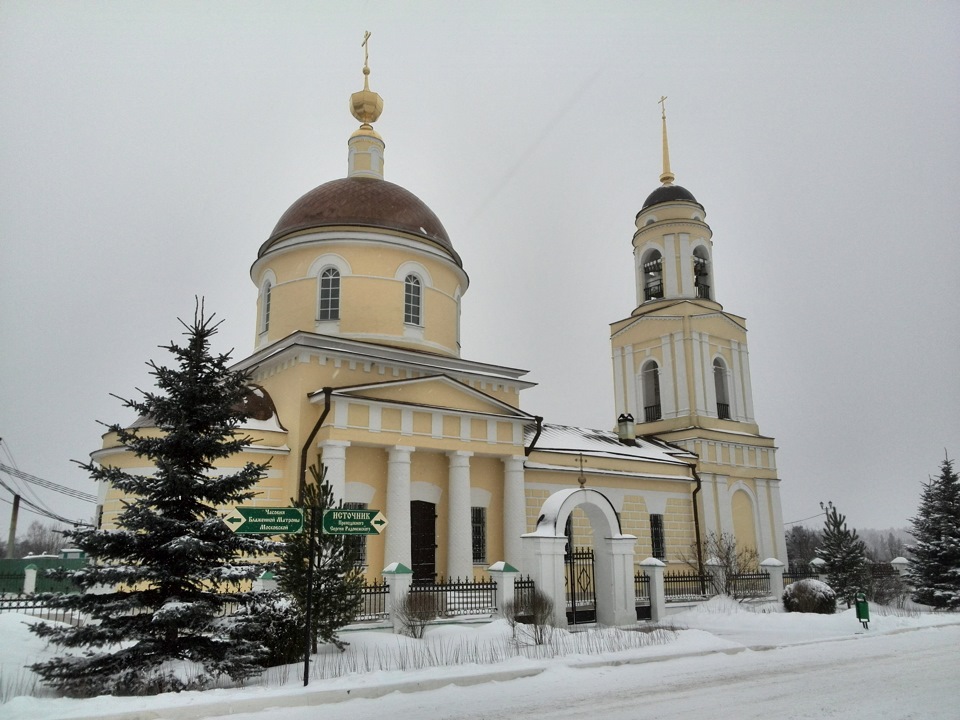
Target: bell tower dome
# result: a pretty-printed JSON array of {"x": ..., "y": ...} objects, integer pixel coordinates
[{"x": 673, "y": 246}]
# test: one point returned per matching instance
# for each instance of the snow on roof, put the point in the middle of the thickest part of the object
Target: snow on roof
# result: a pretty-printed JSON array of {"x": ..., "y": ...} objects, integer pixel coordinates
[{"x": 603, "y": 443}]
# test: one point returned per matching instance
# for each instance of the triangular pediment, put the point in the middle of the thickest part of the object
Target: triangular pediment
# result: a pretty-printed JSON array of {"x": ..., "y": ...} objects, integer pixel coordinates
[{"x": 435, "y": 391}]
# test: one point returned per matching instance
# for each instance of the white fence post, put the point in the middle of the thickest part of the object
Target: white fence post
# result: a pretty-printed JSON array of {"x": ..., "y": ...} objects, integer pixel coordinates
[
  {"x": 30, "y": 580},
  {"x": 504, "y": 575},
  {"x": 774, "y": 568},
  {"x": 653, "y": 569},
  {"x": 399, "y": 577}
]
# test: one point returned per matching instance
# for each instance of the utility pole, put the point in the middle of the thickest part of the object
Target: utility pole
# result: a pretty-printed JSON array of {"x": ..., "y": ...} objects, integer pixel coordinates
[{"x": 12, "y": 537}]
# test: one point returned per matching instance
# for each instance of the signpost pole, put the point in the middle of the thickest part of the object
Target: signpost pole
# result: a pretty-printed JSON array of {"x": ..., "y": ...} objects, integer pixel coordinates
[{"x": 308, "y": 636}]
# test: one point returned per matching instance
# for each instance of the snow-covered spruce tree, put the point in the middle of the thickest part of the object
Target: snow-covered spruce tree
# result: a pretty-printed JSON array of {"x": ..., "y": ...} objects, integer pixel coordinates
[
  {"x": 935, "y": 570},
  {"x": 165, "y": 577},
  {"x": 845, "y": 556},
  {"x": 337, "y": 581}
]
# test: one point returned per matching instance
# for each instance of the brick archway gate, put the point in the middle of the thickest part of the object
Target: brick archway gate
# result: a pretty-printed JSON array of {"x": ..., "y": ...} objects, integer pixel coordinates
[{"x": 543, "y": 552}]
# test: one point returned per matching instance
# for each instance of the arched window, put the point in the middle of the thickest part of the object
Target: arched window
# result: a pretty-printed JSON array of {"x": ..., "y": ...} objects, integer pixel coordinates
[
  {"x": 651, "y": 391},
  {"x": 701, "y": 273},
  {"x": 265, "y": 296},
  {"x": 652, "y": 275},
  {"x": 329, "y": 305},
  {"x": 723, "y": 396},
  {"x": 412, "y": 300}
]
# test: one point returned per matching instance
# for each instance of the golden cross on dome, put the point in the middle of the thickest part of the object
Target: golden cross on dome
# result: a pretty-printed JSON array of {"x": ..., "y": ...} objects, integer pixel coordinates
[
  {"x": 663, "y": 107},
  {"x": 366, "y": 48}
]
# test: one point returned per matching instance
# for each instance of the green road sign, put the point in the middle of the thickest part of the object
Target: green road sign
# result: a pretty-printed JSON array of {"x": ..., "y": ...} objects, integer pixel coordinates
[
  {"x": 265, "y": 520},
  {"x": 353, "y": 522}
]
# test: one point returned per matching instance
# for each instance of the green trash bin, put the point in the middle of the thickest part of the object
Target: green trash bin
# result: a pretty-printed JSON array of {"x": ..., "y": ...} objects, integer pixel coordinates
[{"x": 863, "y": 610}]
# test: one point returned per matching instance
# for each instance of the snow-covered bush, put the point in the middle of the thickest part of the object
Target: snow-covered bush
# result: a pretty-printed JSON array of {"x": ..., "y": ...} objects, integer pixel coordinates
[
  {"x": 809, "y": 596},
  {"x": 272, "y": 620}
]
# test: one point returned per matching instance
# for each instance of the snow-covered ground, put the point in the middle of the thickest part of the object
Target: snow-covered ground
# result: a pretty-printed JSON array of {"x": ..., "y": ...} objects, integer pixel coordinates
[{"x": 724, "y": 661}]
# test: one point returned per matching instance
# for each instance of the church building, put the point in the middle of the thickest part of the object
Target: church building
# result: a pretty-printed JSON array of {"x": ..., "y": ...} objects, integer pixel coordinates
[{"x": 357, "y": 362}]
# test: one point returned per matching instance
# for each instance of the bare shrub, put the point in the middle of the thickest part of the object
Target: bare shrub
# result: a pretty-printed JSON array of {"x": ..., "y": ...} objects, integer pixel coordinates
[
  {"x": 415, "y": 612},
  {"x": 535, "y": 610},
  {"x": 809, "y": 596}
]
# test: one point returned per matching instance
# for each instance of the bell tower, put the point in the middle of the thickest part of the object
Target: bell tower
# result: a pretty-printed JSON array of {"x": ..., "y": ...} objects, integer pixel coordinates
[{"x": 681, "y": 368}]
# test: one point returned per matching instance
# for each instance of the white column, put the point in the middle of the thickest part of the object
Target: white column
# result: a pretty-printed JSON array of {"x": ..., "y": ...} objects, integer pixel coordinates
[
  {"x": 514, "y": 510},
  {"x": 334, "y": 453},
  {"x": 459, "y": 522},
  {"x": 397, "y": 542}
]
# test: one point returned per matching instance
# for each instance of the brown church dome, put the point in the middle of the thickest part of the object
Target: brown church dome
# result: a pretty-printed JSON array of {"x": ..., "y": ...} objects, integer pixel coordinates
[{"x": 364, "y": 202}]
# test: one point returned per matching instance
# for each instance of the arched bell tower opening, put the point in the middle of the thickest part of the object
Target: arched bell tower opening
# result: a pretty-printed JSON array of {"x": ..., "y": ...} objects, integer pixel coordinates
[
  {"x": 651, "y": 270},
  {"x": 544, "y": 550},
  {"x": 701, "y": 273}
]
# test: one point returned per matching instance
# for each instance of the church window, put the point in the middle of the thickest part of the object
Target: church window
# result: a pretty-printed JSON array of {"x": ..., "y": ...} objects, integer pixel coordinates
[
  {"x": 658, "y": 545},
  {"x": 265, "y": 298},
  {"x": 652, "y": 267},
  {"x": 650, "y": 375},
  {"x": 701, "y": 273},
  {"x": 356, "y": 545},
  {"x": 723, "y": 396},
  {"x": 412, "y": 300},
  {"x": 329, "y": 306},
  {"x": 478, "y": 517}
]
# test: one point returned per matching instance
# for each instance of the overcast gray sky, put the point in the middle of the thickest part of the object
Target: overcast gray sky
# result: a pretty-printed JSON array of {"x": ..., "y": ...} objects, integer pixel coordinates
[{"x": 147, "y": 149}]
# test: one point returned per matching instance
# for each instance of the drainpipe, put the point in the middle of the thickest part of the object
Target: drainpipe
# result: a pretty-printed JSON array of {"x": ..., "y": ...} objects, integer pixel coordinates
[
  {"x": 696, "y": 519},
  {"x": 327, "y": 391},
  {"x": 529, "y": 449}
]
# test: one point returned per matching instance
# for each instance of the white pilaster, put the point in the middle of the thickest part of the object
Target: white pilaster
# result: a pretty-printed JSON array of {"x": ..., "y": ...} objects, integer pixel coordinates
[
  {"x": 397, "y": 542},
  {"x": 747, "y": 384},
  {"x": 683, "y": 391},
  {"x": 459, "y": 525},
  {"x": 671, "y": 288},
  {"x": 619, "y": 401},
  {"x": 514, "y": 510},
  {"x": 335, "y": 460},
  {"x": 780, "y": 540},
  {"x": 767, "y": 547},
  {"x": 668, "y": 376},
  {"x": 630, "y": 372}
]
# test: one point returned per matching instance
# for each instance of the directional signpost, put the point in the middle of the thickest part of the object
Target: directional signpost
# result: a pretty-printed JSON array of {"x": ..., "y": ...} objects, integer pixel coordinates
[
  {"x": 353, "y": 522},
  {"x": 265, "y": 521}
]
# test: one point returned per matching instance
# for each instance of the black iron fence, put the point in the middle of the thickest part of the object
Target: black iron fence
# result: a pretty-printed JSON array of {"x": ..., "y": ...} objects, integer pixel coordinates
[
  {"x": 454, "y": 598},
  {"x": 681, "y": 586},
  {"x": 641, "y": 594},
  {"x": 747, "y": 585},
  {"x": 29, "y": 605},
  {"x": 373, "y": 601}
]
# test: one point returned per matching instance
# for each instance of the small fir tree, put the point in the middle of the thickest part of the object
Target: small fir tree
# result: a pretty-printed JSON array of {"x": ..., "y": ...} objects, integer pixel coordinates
[
  {"x": 167, "y": 574},
  {"x": 845, "y": 556},
  {"x": 935, "y": 570},
  {"x": 337, "y": 581}
]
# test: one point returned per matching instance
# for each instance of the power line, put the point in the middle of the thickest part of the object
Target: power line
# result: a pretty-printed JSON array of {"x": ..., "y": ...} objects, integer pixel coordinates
[
  {"x": 86, "y": 497},
  {"x": 794, "y": 522},
  {"x": 42, "y": 511}
]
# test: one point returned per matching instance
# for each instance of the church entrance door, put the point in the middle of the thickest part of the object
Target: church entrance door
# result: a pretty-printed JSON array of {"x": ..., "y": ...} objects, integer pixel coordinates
[{"x": 423, "y": 541}]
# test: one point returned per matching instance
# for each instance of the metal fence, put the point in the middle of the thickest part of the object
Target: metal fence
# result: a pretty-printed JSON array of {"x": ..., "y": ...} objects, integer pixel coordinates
[
  {"x": 373, "y": 601},
  {"x": 453, "y": 598},
  {"x": 641, "y": 594},
  {"x": 29, "y": 605},
  {"x": 681, "y": 586},
  {"x": 798, "y": 572},
  {"x": 747, "y": 585}
]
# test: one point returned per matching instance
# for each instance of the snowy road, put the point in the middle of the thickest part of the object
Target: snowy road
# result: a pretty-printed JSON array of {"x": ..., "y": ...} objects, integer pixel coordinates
[{"x": 907, "y": 675}]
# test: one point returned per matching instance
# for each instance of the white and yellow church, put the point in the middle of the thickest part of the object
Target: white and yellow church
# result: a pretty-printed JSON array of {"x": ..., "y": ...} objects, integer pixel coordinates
[{"x": 357, "y": 361}]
